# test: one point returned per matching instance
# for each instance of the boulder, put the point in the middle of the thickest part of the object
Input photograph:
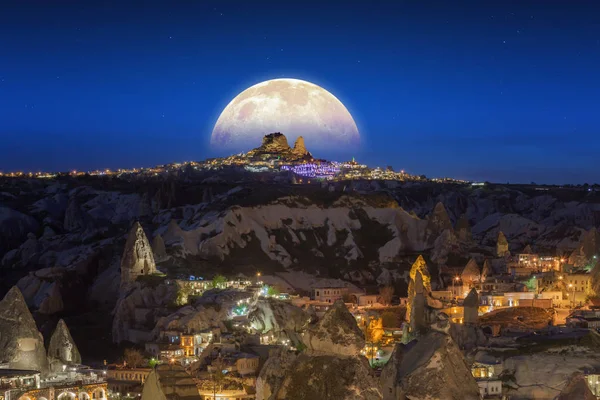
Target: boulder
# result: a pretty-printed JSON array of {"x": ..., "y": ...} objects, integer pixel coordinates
[
  {"x": 21, "y": 344},
  {"x": 62, "y": 349},
  {"x": 336, "y": 333},
  {"x": 138, "y": 258},
  {"x": 431, "y": 367}
]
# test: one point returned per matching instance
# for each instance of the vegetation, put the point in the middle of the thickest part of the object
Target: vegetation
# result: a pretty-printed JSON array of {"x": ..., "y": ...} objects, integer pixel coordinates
[
  {"x": 219, "y": 282},
  {"x": 271, "y": 291},
  {"x": 133, "y": 357}
]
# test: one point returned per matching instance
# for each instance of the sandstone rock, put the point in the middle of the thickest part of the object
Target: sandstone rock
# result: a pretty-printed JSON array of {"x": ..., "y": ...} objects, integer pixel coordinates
[
  {"x": 324, "y": 377},
  {"x": 463, "y": 229},
  {"x": 299, "y": 149},
  {"x": 437, "y": 222},
  {"x": 52, "y": 302},
  {"x": 502, "y": 245},
  {"x": 14, "y": 226},
  {"x": 336, "y": 333},
  {"x": 471, "y": 307},
  {"x": 138, "y": 258},
  {"x": 76, "y": 219},
  {"x": 486, "y": 270},
  {"x": 468, "y": 336},
  {"x": 274, "y": 143},
  {"x": 279, "y": 318},
  {"x": 21, "y": 344},
  {"x": 418, "y": 317},
  {"x": 447, "y": 243},
  {"x": 471, "y": 273},
  {"x": 576, "y": 389},
  {"x": 138, "y": 309},
  {"x": 418, "y": 266},
  {"x": 62, "y": 349},
  {"x": 170, "y": 381},
  {"x": 158, "y": 248},
  {"x": 431, "y": 367}
]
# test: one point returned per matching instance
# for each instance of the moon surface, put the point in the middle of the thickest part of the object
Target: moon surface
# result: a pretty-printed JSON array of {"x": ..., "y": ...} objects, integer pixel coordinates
[{"x": 291, "y": 106}]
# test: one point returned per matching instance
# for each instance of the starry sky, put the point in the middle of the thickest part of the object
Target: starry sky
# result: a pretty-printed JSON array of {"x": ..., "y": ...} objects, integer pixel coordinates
[{"x": 482, "y": 90}]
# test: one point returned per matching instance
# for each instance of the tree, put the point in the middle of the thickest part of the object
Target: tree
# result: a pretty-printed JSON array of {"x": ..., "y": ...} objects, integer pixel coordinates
[
  {"x": 219, "y": 281},
  {"x": 391, "y": 319},
  {"x": 183, "y": 293},
  {"x": 133, "y": 357},
  {"x": 271, "y": 291},
  {"x": 386, "y": 293},
  {"x": 217, "y": 375}
]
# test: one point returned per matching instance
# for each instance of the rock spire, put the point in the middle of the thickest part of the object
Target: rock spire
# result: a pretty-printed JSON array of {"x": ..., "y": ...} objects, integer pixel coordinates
[
  {"x": 502, "y": 245},
  {"x": 418, "y": 266},
  {"x": 137, "y": 256},
  {"x": 21, "y": 344},
  {"x": 62, "y": 349}
]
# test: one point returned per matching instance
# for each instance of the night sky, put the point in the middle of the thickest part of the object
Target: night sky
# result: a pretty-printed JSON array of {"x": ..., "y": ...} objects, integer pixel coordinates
[{"x": 483, "y": 90}]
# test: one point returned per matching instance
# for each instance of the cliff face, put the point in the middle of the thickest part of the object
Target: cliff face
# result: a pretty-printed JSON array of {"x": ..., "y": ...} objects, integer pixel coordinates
[{"x": 21, "y": 344}]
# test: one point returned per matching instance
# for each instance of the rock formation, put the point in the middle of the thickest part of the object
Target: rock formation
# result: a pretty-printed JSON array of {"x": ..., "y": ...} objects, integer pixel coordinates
[
  {"x": 576, "y": 389},
  {"x": 169, "y": 381},
  {"x": 274, "y": 143},
  {"x": 471, "y": 273},
  {"x": 158, "y": 248},
  {"x": 418, "y": 317},
  {"x": 137, "y": 256},
  {"x": 75, "y": 218},
  {"x": 21, "y": 344},
  {"x": 336, "y": 333},
  {"x": 62, "y": 349},
  {"x": 437, "y": 222},
  {"x": 137, "y": 311},
  {"x": 431, "y": 367},
  {"x": 52, "y": 302},
  {"x": 502, "y": 245},
  {"x": 471, "y": 307},
  {"x": 527, "y": 250},
  {"x": 278, "y": 318},
  {"x": 286, "y": 376},
  {"x": 418, "y": 266},
  {"x": 486, "y": 270},
  {"x": 590, "y": 245},
  {"x": 463, "y": 229},
  {"x": 299, "y": 149}
]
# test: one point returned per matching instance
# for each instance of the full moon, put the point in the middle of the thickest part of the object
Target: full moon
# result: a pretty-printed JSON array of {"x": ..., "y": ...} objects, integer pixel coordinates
[{"x": 291, "y": 106}]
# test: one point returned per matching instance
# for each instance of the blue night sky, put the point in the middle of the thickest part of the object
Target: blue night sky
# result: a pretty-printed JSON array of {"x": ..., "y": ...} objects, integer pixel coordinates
[{"x": 482, "y": 90}]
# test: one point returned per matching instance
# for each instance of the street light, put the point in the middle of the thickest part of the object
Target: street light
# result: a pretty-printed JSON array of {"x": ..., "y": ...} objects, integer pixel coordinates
[
  {"x": 573, "y": 297},
  {"x": 456, "y": 279}
]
